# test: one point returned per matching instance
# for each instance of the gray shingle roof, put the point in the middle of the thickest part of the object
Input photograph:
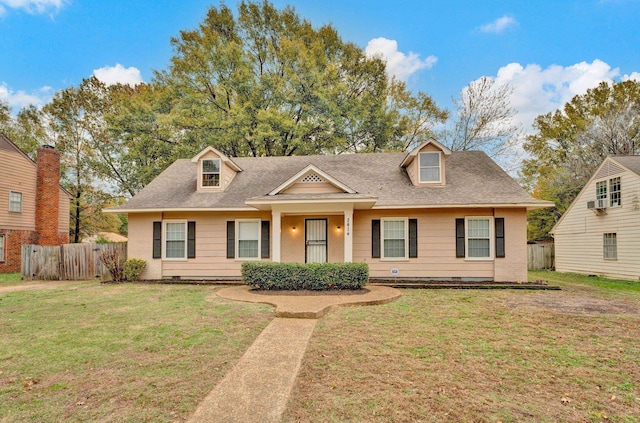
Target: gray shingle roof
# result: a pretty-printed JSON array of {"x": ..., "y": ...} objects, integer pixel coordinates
[
  {"x": 630, "y": 162},
  {"x": 472, "y": 179}
]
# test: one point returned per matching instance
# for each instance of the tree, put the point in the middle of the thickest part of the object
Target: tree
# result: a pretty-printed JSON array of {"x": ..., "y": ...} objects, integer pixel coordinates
[
  {"x": 570, "y": 143},
  {"x": 483, "y": 119},
  {"x": 268, "y": 83}
]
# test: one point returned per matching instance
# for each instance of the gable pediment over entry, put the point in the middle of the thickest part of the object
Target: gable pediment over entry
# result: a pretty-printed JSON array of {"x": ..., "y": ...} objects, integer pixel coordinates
[{"x": 312, "y": 180}]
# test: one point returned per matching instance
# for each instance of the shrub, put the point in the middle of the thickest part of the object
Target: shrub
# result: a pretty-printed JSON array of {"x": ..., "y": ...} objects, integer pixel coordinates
[
  {"x": 113, "y": 262},
  {"x": 297, "y": 276},
  {"x": 133, "y": 268}
]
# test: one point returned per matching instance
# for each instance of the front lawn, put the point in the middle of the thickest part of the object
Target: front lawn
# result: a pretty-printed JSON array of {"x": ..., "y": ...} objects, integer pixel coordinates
[
  {"x": 125, "y": 353},
  {"x": 478, "y": 355},
  {"x": 7, "y": 279}
]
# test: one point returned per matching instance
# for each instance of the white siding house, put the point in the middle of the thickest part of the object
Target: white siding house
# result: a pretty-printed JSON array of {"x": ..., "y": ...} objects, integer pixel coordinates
[{"x": 599, "y": 234}]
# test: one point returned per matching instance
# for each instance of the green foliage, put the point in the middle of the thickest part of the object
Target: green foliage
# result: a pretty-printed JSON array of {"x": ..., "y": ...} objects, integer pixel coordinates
[
  {"x": 102, "y": 240},
  {"x": 133, "y": 267},
  {"x": 265, "y": 82},
  {"x": 297, "y": 276},
  {"x": 571, "y": 142}
]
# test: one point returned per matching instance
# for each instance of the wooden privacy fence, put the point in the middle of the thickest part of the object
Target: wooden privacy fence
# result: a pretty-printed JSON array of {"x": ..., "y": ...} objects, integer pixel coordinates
[
  {"x": 68, "y": 261},
  {"x": 541, "y": 257}
]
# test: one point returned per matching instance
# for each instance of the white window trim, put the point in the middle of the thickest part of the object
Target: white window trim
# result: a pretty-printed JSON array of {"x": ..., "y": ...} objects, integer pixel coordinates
[
  {"x": 439, "y": 181},
  {"x": 201, "y": 173},
  {"x": 15, "y": 211},
  {"x": 492, "y": 243},
  {"x": 2, "y": 245},
  {"x": 610, "y": 191},
  {"x": 237, "y": 240},
  {"x": 406, "y": 238},
  {"x": 605, "y": 245},
  {"x": 164, "y": 239}
]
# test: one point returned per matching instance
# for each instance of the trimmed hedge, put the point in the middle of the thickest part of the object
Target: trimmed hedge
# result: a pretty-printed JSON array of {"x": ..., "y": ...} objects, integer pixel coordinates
[{"x": 297, "y": 276}]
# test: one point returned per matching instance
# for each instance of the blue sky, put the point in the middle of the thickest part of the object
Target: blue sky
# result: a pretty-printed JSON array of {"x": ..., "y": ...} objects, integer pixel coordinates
[{"x": 548, "y": 50}]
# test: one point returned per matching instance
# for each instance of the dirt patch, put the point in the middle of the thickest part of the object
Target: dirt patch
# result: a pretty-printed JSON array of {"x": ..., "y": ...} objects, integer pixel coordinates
[
  {"x": 573, "y": 304},
  {"x": 310, "y": 293}
]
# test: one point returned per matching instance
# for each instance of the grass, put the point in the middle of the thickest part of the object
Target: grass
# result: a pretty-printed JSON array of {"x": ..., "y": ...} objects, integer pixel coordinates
[
  {"x": 7, "y": 279},
  {"x": 470, "y": 356},
  {"x": 122, "y": 353},
  {"x": 133, "y": 352}
]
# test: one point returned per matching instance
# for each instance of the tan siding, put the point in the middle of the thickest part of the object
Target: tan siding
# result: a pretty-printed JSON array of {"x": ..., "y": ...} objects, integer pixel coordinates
[
  {"x": 17, "y": 173},
  {"x": 413, "y": 172},
  {"x": 436, "y": 245},
  {"x": 211, "y": 246},
  {"x": 513, "y": 267},
  {"x": 63, "y": 213},
  {"x": 140, "y": 244},
  {"x": 312, "y": 188},
  {"x": 578, "y": 237}
]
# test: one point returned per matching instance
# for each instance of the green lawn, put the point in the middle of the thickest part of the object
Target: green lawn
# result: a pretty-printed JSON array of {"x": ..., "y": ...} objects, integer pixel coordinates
[
  {"x": 122, "y": 353},
  {"x": 478, "y": 355},
  {"x": 7, "y": 279},
  {"x": 133, "y": 352}
]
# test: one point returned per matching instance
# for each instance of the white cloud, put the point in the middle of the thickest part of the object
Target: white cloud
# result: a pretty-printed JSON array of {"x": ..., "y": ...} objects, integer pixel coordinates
[
  {"x": 538, "y": 91},
  {"x": 399, "y": 64},
  {"x": 118, "y": 74},
  {"x": 19, "y": 99},
  {"x": 499, "y": 25},
  {"x": 634, "y": 75},
  {"x": 32, "y": 6}
]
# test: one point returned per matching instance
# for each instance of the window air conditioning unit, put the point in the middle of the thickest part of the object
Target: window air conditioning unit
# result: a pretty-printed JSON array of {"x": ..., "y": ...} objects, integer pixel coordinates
[
  {"x": 598, "y": 206},
  {"x": 601, "y": 203}
]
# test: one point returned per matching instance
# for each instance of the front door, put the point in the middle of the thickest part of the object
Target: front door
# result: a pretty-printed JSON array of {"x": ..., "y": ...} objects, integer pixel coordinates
[{"x": 315, "y": 235}]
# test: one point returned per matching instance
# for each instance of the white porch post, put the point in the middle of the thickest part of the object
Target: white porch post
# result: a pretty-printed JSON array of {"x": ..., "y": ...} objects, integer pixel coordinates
[
  {"x": 348, "y": 235},
  {"x": 276, "y": 222}
]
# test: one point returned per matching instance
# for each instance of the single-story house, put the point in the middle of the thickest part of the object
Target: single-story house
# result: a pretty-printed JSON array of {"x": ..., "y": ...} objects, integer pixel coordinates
[
  {"x": 599, "y": 233},
  {"x": 427, "y": 214}
]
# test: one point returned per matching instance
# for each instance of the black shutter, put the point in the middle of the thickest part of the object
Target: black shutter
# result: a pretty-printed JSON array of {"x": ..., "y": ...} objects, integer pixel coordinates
[
  {"x": 375, "y": 238},
  {"x": 413, "y": 238},
  {"x": 499, "y": 225},
  {"x": 157, "y": 240},
  {"x": 264, "y": 242},
  {"x": 231, "y": 239},
  {"x": 459, "y": 237},
  {"x": 191, "y": 239}
]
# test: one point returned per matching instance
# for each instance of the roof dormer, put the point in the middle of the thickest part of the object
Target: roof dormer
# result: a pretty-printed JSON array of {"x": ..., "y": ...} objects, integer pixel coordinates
[
  {"x": 215, "y": 170},
  {"x": 425, "y": 164}
]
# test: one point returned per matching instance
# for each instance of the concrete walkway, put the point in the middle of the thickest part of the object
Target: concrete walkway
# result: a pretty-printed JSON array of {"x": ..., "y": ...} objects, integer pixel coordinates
[{"x": 258, "y": 387}]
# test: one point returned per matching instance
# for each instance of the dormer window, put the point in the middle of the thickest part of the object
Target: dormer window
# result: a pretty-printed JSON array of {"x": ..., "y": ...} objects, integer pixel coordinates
[
  {"x": 211, "y": 173},
  {"x": 429, "y": 167}
]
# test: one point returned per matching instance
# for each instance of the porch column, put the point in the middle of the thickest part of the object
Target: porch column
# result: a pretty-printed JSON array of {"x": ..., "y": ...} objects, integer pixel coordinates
[
  {"x": 276, "y": 223},
  {"x": 348, "y": 235}
]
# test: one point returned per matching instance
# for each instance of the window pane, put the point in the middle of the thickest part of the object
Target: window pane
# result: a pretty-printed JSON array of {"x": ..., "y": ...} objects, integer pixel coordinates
[
  {"x": 175, "y": 240},
  {"x": 601, "y": 190},
  {"x": 248, "y": 235},
  {"x": 610, "y": 246},
  {"x": 394, "y": 239},
  {"x": 174, "y": 249},
  {"x": 429, "y": 159},
  {"x": 210, "y": 179},
  {"x": 247, "y": 249},
  {"x": 15, "y": 201},
  {"x": 615, "y": 194},
  {"x": 478, "y": 228},
  {"x": 394, "y": 248},
  {"x": 430, "y": 174},
  {"x": 479, "y": 248},
  {"x": 211, "y": 166}
]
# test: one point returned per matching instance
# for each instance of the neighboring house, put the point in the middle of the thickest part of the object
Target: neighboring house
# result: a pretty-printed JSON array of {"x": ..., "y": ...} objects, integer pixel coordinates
[
  {"x": 34, "y": 208},
  {"x": 427, "y": 214},
  {"x": 599, "y": 234},
  {"x": 106, "y": 236}
]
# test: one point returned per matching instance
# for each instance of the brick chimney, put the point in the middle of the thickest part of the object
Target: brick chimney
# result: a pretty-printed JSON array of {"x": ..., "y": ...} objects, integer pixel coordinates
[{"x": 48, "y": 196}]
